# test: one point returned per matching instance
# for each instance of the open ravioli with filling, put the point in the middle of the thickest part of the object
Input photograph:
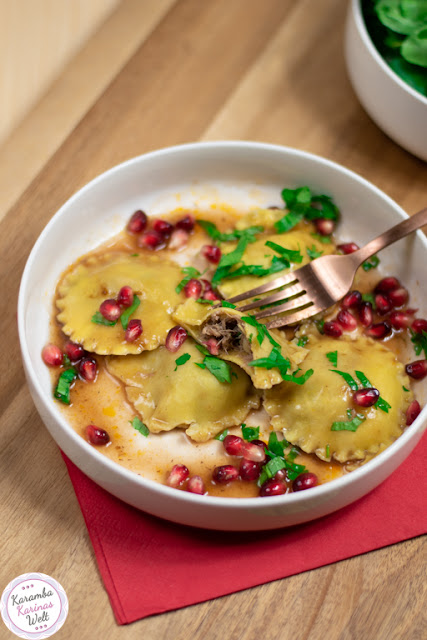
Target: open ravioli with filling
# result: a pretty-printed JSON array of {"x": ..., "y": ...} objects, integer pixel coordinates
[
  {"x": 260, "y": 253},
  {"x": 239, "y": 338},
  {"x": 186, "y": 396},
  {"x": 306, "y": 414},
  {"x": 98, "y": 278}
]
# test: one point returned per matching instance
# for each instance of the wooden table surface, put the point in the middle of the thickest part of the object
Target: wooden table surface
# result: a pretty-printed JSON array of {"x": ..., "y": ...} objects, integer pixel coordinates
[{"x": 271, "y": 71}]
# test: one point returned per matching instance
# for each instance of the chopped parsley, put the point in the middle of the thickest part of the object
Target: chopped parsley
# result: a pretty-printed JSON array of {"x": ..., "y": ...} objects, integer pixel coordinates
[
  {"x": 98, "y": 318},
  {"x": 302, "y": 204},
  {"x": 189, "y": 272},
  {"x": 212, "y": 230},
  {"x": 63, "y": 386},
  {"x": 124, "y": 318},
  {"x": 319, "y": 325},
  {"x": 221, "y": 436},
  {"x": 203, "y": 301},
  {"x": 328, "y": 451},
  {"x": 350, "y": 425},
  {"x": 333, "y": 357},
  {"x": 313, "y": 253},
  {"x": 217, "y": 367},
  {"x": 302, "y": 341},
  {"x": 369, "y": 297},
  {"x": 262, "y": 331},
  {"x": 322, "y": 239},
  {"x": 288, "y": 255},
  {"x": 380, "y": 403},
  {"x": 182, "y": 360},
  {"x": 419, "y": 340},
  {"x": 405, "y": 389},
  {"x": 139, "y": 426},
  {"x": 250, "y": 433},
  {"x": 279, "y": 459},
  {"x": 227, "y": 305},
  {"x": 371, "y": 263},
  {"x": 348, "y": 378},
  {"x": 276, "y": 360}
]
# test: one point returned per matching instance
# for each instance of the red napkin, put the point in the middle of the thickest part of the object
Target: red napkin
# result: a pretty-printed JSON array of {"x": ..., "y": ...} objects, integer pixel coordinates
[{"x": 150, "y": 566}]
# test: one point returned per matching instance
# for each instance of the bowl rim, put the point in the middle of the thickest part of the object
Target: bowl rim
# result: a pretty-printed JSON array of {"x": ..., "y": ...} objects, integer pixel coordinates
[
  {"x": 366, "y": 37},
  {"x": 322, "y": 490}
]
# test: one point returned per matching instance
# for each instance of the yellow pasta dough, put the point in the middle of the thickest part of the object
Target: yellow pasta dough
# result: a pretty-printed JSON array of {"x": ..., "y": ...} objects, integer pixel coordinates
[
  {"x": 259, "y": 254},
  {"x": 98, "y": 278},
  {"x": 238, "y": 340},
  {"x": 305, "y": 414},
  {"x": 167, "y": 396}
]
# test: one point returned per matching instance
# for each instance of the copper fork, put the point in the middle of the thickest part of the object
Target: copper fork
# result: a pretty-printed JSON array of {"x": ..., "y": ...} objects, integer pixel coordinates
[{"x": 321, "y": 283}]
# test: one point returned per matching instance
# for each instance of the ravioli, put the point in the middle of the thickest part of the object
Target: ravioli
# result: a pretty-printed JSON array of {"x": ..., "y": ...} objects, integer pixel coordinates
[
  {"x": 265, "y": 218},
  {"x": 237, "y": 340},
  {"x": 257, "y": 253},
  {"x": 188, "y": 397},
  {"x": 98, "y": 278},
  {"x": 305, "y": 414}
]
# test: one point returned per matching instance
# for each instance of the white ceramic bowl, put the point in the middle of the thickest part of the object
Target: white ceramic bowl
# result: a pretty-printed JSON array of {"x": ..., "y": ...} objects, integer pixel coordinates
[
  {"x": 399, "y": 110},
  {"x": 243, "y": 174}
]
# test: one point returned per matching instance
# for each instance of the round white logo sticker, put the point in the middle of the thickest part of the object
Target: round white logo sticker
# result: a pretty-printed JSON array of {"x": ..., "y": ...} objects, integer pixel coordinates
[{"x": 34, "y": 605}]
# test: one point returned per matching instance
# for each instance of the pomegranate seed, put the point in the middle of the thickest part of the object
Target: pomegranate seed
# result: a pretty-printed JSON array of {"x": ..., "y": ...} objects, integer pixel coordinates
[
  {"x": 400, "y": 320},
  {"x": 212, "y": 346},
  {"x": 383, "y": 304},
  {"x": 138, "y": 222},
  {"x": 175, "y": 338},
  {"x": 211, "y": 253},
  {"x": 178, "y": 239},
  {"x": 163, "y": 227},
  {"x": 233, "y": 445},
  {"x": 352, "y": 299},
  {"x": 211, "y": 295},
  {"x": 412, "y": 412},
  {"x": 151, "y": 240},
  {"x": 348, "y": 247},
  {"x": 207, "y": 286},
  {"x": 110, "y": 309},
  {"x": 273, "y": 487},
  {"x": 387, "y": 284},
  {"x": 398, "y": 297},
  {"x": 417, "y": 369},
  {"x": 366, "y": 397},
  {"x": 324, "y": 226},
  {"x": 379, "y": 330},
  {"x": 177, "y": 475},
  {"x": 74, "y": 351},
  {"x": 193, "y": 289},
  {"x": 125, "y": 296},
  {"x": 332, "y": 329},
  {"x": 253, "y": 452},
  {"x": 186, "y": 223},
  {"x": 52, "y": 355},
  {"x": 196, "y": 485},
  {"x": 419, "y": 325},
  {"x": 281, "y": 475},
  {"x": 249, "y": 470},
  {"x": 304, "y": 481},
  {"x": 224, "y": 474},
  {"x": 366, "y": 314},
  {"x": 88, "y": 369},
  {"x": 133, "y": 330},
  {"x": 346, "y": 320},
  {"x": 97, "y": 436}
]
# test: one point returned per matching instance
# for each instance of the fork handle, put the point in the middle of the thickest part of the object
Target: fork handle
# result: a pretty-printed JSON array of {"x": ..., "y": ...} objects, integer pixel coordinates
[{"x": 391, "y": 235}]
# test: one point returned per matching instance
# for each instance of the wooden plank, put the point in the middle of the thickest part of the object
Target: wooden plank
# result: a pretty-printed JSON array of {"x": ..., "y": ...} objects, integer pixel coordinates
[{"x": 268, "y": 71}]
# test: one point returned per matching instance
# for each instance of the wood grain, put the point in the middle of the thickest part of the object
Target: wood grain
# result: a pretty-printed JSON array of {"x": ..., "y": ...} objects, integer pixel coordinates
[
  {"x": 37, "y": 38},
  {"x": 222, "y": 69}
]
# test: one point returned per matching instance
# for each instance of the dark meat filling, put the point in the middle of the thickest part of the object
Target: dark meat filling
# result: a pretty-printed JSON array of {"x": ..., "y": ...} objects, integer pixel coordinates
[{"x": 228, "y": 332}]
